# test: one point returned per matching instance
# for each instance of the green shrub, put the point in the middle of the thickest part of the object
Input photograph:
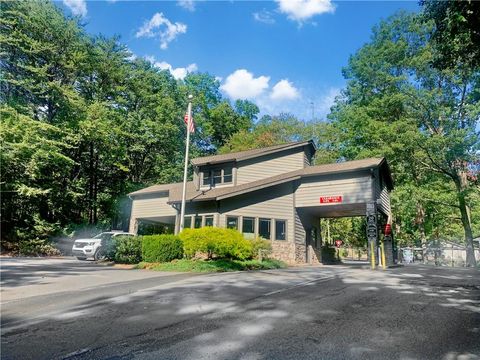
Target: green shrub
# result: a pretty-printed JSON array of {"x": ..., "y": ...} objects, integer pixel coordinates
[
  {"x": 161, "y": 248},
  {"x": 125, "y": 249},
  {"x": 329, "y": 254},
  {"x": 218, "y": 242},
  {"x": 261, "y": 248},
  {"x": 36, "y": 247}
]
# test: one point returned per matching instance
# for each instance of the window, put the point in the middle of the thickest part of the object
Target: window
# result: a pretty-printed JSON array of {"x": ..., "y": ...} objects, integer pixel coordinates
[
  {"x": 227, "y": 175},
  {"x": 232, "y": 222},
  {"x": 264, "y": 228},
  {"x": 248, "y": 227},
  {"x": 206, "y": 178},
  {"x": 209, "y": 220},
  {"x": 198, "y": 222},
  {"x": 218, "y": 176},
  {"x": 187, "y": 222},
  {"x": 280, "y": 229}
]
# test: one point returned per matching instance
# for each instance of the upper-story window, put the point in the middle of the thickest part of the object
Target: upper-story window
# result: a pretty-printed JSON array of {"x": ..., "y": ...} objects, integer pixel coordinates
[{"x": 217, "y": 176}]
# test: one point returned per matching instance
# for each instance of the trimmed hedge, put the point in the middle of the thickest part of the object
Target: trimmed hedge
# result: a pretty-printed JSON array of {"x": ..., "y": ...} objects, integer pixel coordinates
[
  {"x": 218, "y": 242},
  {"x": 161, "y": 248},
  {"x": 125, "y": 249}
]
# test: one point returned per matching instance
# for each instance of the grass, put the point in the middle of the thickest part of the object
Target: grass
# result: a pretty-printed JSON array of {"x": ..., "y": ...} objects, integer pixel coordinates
[{"x": 219, "y": 265}]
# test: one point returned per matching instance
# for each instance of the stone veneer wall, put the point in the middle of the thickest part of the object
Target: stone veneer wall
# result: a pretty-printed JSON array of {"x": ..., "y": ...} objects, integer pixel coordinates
[
  {"x": 300, "y": 253},
  {"x": 284, "y": 251},
  {"x": 315, "y": 255}
]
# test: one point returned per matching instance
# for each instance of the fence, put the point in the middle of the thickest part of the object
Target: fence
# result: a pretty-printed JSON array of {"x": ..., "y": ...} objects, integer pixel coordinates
[
  {"x": 448, "y": 255},
  {"x": 353, "y": 253}
]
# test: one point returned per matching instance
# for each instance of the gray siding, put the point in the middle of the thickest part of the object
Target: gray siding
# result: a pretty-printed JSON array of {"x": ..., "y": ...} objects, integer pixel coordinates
[
  {"x": 354, "y": 188},
  {"x": 273, "y": 203},
  {"x": 270, "y": 165},
  {"x": 381, "y": 193},
  {"x": 149, "y": 206}
]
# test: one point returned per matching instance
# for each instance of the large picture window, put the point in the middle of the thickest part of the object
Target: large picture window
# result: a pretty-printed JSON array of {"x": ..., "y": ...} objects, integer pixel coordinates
[
  {"x": 187, "y": 222},
  {"x": 264, "y": 228},
  {"x": 232, "y": 222},
  {"x": 248, "y": 227},
  {"x": 280, "y": 230}
]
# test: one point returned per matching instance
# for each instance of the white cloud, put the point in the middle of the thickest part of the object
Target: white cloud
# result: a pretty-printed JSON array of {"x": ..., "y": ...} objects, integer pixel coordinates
[
  {"x": 323, "y": 105},
  {"x": 178, "y": 73},
  {"x": 284, "y": 90},
  {"x": 187, "y": 4},
  {"x": 264, "y": 16},
  {"x": 242, "y": 85},
  {"x": 77, "y": 7},
  {"x": 160, "y": 27},
  {"x": 301, "y": 10}
]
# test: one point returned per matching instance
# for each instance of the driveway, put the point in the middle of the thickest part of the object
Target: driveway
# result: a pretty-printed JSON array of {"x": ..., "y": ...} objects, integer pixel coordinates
[{"x": 329, "y": 312}]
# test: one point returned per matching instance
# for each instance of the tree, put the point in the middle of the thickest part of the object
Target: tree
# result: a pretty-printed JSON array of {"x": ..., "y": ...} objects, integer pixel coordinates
[{"x": 421, "y": 117}]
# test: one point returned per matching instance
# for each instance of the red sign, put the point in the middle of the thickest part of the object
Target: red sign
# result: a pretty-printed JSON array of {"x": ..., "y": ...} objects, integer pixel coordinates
[
  {"x": 338, "y": 243},
  {"x": 331, "y": 199}
]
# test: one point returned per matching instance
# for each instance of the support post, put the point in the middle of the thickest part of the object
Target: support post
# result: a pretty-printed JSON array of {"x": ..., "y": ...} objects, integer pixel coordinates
[{"x": 372, "y": 232}]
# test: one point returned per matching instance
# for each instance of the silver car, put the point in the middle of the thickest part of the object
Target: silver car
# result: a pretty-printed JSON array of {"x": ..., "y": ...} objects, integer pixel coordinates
[{"x": 95, "y": 247}]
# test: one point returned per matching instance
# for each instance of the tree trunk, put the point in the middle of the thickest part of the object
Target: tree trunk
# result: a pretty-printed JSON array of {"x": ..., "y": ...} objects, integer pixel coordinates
[{"x": 461, "y": 184}]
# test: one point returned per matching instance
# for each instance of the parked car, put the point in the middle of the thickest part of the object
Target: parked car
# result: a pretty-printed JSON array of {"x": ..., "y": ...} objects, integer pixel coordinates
[{"x": 95, "y": 247}]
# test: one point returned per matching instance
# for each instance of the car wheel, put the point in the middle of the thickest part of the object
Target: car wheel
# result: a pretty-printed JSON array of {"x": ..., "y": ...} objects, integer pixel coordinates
[
  {"x": 81, "y": 258},
  {"x": 99, "y": 255}
]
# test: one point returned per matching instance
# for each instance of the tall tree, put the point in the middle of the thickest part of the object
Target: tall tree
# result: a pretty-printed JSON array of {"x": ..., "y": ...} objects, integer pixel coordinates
[{"x": 423, "y": 118}]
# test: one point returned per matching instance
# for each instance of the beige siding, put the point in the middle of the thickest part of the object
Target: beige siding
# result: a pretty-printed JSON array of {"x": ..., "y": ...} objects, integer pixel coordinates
[
  {"x": 270, "y": 165},
  {"x": 150, "y": 206},
  {"x": 273, "y": 203},
  {"x": 354, "y": 188}
]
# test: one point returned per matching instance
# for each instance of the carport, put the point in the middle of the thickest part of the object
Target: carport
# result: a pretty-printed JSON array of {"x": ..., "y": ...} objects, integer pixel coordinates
[{"x": 363, "y": 193}]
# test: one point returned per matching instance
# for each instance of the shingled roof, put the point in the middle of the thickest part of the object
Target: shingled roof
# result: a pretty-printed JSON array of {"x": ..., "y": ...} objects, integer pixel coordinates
[
  {"x": 248, "y": 154},
  {"x": 175, "y": 190}
]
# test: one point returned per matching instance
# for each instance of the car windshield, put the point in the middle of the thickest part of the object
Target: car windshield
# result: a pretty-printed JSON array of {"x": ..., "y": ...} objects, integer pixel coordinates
[{"x": 103, "y": 236}]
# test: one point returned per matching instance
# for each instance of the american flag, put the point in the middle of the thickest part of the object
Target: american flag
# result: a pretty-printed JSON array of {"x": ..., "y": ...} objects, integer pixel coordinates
[{"x": 191, "y": 126}]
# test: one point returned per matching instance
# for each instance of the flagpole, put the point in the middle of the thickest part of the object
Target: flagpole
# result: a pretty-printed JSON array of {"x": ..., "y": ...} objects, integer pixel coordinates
[{"x": 185, "y": 170}]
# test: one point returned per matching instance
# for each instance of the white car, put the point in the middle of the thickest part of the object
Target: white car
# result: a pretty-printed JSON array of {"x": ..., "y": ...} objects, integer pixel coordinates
[{"x": 95, "y": 247}]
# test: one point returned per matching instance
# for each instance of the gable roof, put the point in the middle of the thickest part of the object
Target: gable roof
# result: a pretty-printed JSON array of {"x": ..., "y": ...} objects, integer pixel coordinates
[
  {"x": 248, "y": 154},
  {"x": 219, "y": 193}
]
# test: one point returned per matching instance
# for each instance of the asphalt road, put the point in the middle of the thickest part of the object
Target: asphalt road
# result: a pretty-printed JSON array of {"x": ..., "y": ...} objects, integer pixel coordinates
[{"x": 64, "y": 309}]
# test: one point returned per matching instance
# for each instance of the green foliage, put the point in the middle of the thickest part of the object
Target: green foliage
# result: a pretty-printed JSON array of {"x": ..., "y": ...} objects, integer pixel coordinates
[
  {"x": 36, "y": 247},
  {"x": 261, "y": 248},
  {"x": 219, "y": 265},
  {"x": 161, "y": 248},
  {"x": 84, "y": 122},
  {"x": 125, "y": 249},
  {"x": 219, "y": 242},
  {"x": 329, "y": 254}
]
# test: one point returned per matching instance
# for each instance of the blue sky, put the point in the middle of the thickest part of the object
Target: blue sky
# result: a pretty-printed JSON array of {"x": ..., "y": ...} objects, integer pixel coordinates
[{"x": 282, "y": 54}]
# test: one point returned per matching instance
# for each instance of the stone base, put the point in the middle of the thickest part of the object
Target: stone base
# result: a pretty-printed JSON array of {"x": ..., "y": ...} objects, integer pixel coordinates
[
  {"x": 315, "y": 255},
  {"x": 284, "y": 251}
]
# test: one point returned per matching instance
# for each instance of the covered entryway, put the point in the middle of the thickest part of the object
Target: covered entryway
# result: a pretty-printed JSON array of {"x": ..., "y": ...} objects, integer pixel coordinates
[{"x": 363, "y": 193}]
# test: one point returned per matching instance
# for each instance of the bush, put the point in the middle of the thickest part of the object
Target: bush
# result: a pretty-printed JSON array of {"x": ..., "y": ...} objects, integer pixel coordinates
[
  {"x": 125, "y": 249},
  {"x": 161, "y": 248},
  {"x": 36, "y": 247},
  {"x": 261, "y": 246},
  {"x": 219, "y": 242},
  {"x": 329, "y": 254}
]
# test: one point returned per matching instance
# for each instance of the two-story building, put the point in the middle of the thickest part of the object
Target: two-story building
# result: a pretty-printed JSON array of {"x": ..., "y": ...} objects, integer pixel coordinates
[{"x": 272, "y": 192}]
